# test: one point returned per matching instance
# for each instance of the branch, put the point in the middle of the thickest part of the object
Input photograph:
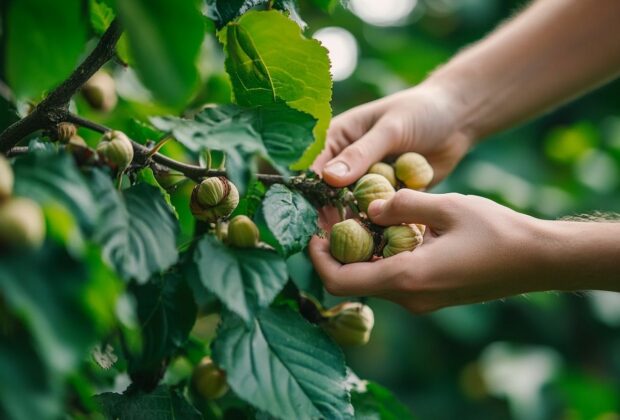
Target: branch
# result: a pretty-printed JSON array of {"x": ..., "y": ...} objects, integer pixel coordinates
[{"x": 54, "y": 108}]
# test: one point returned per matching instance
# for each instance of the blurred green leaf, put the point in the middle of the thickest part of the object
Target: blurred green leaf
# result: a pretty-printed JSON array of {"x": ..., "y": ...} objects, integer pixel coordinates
[
  {"x": 164, "y": 39},
  {"x": 101, "y": 15},
  {"x": 32, "y": 67},
  {"x": 163, "y": 403},
  {"x": 377, "y": 403}
]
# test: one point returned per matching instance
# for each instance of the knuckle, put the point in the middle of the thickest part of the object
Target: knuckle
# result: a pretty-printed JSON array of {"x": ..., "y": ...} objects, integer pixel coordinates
[
  {"x": 400, "y": 202},
  {"x": 449, "y": 202}
]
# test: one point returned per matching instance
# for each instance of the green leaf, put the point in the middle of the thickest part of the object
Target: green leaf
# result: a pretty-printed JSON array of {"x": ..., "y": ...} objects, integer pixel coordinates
[
  {"x": 163, "y": 403},
  {"x": 23, "y": 373},
  {"x": 250, "y": 203},
  {"x": 165, "y": 39},
  {"x": 377, "y": 403},
  {"x": 32, "y": 67},
  {"x": 224, "y": 11},
  {"x": 283, "y": 365},
  {"x": 277, "y": 132},
  {"x": 54, "y": 179},
  {"x": 290, "y": 218},
  {"x": 245, "y": 280},
  {"x": 269, "y": 60},
  {"x": 303, "y": 274},
  {"x": 101, "y": 15},
  {"x": 137, "y": 229},
  {"x": 48, "y": 289},
  {"x": 326, "y": 5},
  {"x": 166, "y": 312}
]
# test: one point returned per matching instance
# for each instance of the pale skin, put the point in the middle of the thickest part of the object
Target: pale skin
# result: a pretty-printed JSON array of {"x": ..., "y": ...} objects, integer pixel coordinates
[{"x": 476, "y": 250}]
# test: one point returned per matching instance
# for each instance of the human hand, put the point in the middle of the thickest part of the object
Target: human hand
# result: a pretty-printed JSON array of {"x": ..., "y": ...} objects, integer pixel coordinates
[
  {"x": 474, "y": 250},
  {"x": 424, "y": 119}
]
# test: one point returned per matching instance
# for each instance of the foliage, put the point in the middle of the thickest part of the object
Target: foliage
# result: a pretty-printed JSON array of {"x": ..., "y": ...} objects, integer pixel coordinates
[{"x": 103, "y": 317}]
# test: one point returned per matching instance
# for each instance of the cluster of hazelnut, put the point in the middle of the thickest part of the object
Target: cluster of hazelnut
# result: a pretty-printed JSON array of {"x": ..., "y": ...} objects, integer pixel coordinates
[
  {"x": 351, "y": 241},
  {"x": 214, "y": 200},
  {"x": 22, "y": 224}
]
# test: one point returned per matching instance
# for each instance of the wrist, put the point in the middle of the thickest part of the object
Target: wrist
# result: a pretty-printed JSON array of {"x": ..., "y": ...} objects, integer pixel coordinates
[{"x": 576, "y": 256}]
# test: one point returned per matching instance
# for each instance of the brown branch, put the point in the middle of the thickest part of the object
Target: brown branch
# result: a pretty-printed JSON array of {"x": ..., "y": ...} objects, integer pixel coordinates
[{"x": 54, "y": 108}]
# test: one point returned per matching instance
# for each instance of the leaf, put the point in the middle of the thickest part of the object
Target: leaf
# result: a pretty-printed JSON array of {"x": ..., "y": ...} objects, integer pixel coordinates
[
  {"x": 166, "y": 312},
  {"x": 378, "y": 403},
  {"x": 297, "y": 71},
  {"x": 54, "y": 179},
  {"x": 290, "y": 218},
  {"x": 303, "y": 274},
  {"x": 32, "y": 67},
  {"x": 275, "y": 131},
  {"x": 283, "y": 365},
  {"x": 23, "y": 373},
  {"x": 137, "y": 229},
  {"x": 224, "y": 11},
  {"x": 101, "y": 15},
  {"x": 163, "y": 403},
  {"x": 165, "y": 39},
  {"x": 250, "y": 203},
  {"x": 48, "y": 288},
  {"x": 245, "y": 280},
  {"x": 327, "y": 5}
]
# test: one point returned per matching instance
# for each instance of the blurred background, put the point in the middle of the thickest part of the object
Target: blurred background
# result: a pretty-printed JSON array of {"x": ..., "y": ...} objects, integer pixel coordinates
[{"x": 540, "y": 356}]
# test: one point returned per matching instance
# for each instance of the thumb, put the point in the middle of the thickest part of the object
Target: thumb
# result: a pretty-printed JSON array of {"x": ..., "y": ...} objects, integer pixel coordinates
[
  {"x": 409, "y": 206},
  {"x": 354, "y": 161}
]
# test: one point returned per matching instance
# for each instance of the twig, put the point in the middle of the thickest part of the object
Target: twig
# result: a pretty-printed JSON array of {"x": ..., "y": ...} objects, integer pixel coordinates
[{"x": 54, "y": 108}]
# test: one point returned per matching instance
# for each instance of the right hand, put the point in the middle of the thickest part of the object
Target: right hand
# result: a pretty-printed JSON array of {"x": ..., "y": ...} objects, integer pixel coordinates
[{"x": 422, "y": 119}]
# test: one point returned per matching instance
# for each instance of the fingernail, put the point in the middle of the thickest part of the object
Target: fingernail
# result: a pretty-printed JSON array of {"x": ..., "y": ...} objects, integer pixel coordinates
[
  {"x": 375, "y": 208},
  {"x": 338, "y": 169}
]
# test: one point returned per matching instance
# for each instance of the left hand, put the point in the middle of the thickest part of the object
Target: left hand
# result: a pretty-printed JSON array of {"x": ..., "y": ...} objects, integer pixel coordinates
[{"x": 474, "y": 250}]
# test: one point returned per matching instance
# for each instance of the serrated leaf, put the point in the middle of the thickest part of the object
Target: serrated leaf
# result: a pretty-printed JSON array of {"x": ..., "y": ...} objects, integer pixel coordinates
[
  {"x": 224, "y": 11},
  {"x": 165, "y": 39},
  {"x": 245, "y": 280},
  {"x": 290, "y": 218},
  {"x": 163, "y": 403},
  {"x": 32, "y": 67},
  {"x": 275, "y": 131},
  {"x": 101, "y": 15},
  {"x": 137, "y": 229},
  {"x": 297, "y": 71},
  {"x": 283, "y": 365},
  {"x": 378, "y": 403},
  {"x": 54, "y": 179},
  {"x": 166, "y": 312}
]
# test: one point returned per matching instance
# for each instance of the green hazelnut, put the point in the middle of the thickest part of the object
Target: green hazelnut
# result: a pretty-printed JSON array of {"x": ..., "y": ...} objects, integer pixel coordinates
[
  {"x": 372, "y": 187},
  {"x": 6, "y": 179},
  {"x": 100, "y": 92},
  {"x": 242, "y": 232},
  {"x": 385, "y": 170},
  {"x": 22, "y": 224},
  {"x": 349, "y": 324},
  {"x": 116, "y": 149},
  {"x": 414, "y": 171},
  {"x": 214, "y": 199},
  {"x": 399, "y": 239},
  {"x": 209, "y": 381},
  {"x": 64, "y": 131},
  {"x": 350, "y": 242}
]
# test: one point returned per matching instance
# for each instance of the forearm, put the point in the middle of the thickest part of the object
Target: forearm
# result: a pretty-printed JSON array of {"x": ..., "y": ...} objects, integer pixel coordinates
[
  {"x": 550, "y": 53},
  {"x": 578, "y": 255}
]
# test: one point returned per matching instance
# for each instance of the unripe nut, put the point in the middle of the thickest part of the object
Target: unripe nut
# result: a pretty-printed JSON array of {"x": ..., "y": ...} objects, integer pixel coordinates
[
  {"x": 372, "y": 187},
  {"x": 208, "y": 380},
  {"x": 404, "y": 238},
  {"x": 218, "y": 190},
  {"x": 385, "y": 170},
  {"x": 100, "y": 91},
  {"x": 22, "y": 224},
  {"x": 64, "y": 131},
  {"x": 116, "y": 148},
  {"x": 349, "y": 324},
  {"x": 414, "y": 171},
  {"x": 6, "y": 179},
  {"x": 242, "y": 232},
  {"x": 350, "y": 242}
]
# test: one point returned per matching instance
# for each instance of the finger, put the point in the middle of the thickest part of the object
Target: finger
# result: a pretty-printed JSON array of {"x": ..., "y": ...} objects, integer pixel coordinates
[
  {"x": 354, "y": 160},
  {"x": 344, "y": 130},
  {"x": 358, "y": 279},
  {"x": 409, "y": 206}
]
